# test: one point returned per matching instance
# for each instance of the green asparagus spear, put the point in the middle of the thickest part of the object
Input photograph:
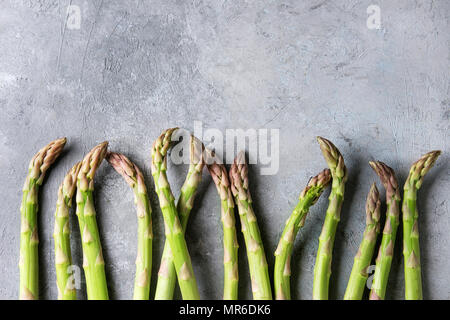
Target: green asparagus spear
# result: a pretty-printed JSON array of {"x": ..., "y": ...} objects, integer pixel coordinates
[
  {"x": 133, "y": 176},
  {"x": 386, "y": 249},
  {"x": 322, "y": 268},
  {"x": 167, "y": 273},
  {"x": 93, "y": 263},
  {"x": 28, "y": 261},
  {"x": 230, "y": 245},
  {"x": 358, "y": 276},
  {"x": 255, "y": 250},
  {"x": 411, "y": 250},
  {"x": 61, "y": 235},
  {"x": 174, "y": 229},
  {"x": 307, "y": 198}
]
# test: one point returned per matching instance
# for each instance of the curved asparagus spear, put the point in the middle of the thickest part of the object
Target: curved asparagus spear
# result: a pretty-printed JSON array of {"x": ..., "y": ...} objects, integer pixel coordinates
[
  {"x": 358, "y": 276},
  {"x": 255, "y": 250},
  {"x": 411, "y": 250},
  {"x": 386, "y": 249},
  {"x": 322, "y": 268},
  {"x": 307, "y": 198},
  {"x": 133, "y": 176},
  {"x": 167, "y": 274},
  {"x": 93, "y": 263},
  {"x": 174, "y": 230},
  {"x": 230, "y": 245},
  {"x": 61, "y": 235},
  {"x": 28, "y": 261}
]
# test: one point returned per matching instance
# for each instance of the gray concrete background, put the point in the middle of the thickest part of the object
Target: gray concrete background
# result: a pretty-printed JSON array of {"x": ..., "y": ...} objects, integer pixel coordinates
[{"x": 308, "y": 68}]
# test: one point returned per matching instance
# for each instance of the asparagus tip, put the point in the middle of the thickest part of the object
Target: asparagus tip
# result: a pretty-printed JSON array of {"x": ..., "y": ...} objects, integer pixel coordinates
[
  {"x": 239, "y": 177},
  {"x": 162, "y": 143},
  {"x": 322, "y": 179},
  {"x": 123, "y": 166},
  {"x": 69, "y": 183},
  {"x": 333, "y": 158},
  {"x": 387, "y": 177},
  {"x": 44, "y": 158},
  {"x": 373, "y": 204},
  {"x": 240, "y": 158},
  {"x": 420, "y": 168},
  {"x": 92, "y": 160},
  {"x": 196, "y": 151}
]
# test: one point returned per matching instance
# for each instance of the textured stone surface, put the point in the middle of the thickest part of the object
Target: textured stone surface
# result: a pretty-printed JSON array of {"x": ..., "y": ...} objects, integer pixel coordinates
[{"x": 308, "y": 68}]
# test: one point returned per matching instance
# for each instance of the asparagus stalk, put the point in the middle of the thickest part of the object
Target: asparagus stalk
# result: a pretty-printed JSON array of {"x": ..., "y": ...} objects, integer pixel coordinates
[
  {"x": 307, "y": 198},
  {"x": 358, "y": 276},
  {"x": 411, "y": 250},
  {"x": 28, "y": 261},
  {"x": 255, "y": 251},
  {"x": 322, "y": 268},
  {"x": 174, "y": 229},
  {"x": 230, "y": 245},
  {"x": 386, "y": 249},
  {"x": 167, "y": 274},
  {"x": 61, "y": 235},
  {"x": 93, "y": 263},
  {"x": 133, "y": 176}
]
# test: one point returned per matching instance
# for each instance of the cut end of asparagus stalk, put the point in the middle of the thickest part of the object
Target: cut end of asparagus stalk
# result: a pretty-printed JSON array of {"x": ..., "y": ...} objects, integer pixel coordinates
[
  {"x": 333, "y": 158},
  {"x": 45, "y": 158},
  {"x": 388, "y": 179},
  {"x": 420, "y": 168},
  {"x": 373, "y": 204}
]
